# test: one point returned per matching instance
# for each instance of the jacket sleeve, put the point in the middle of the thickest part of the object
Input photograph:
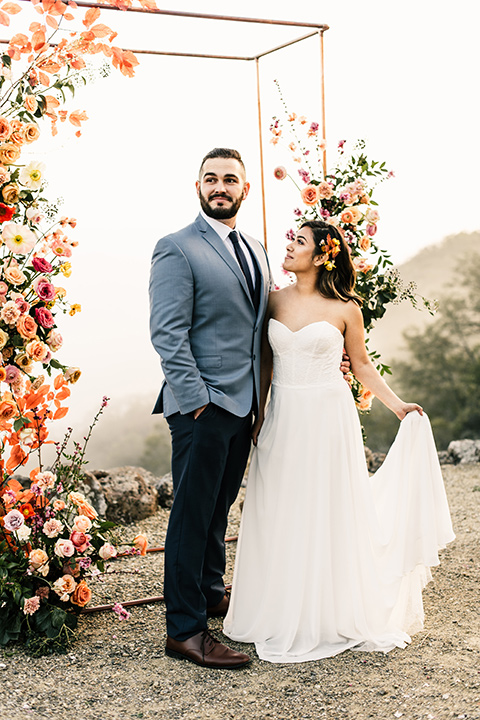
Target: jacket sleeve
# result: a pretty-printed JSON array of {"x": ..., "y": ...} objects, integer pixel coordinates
[{"x": 171, "y": 310}]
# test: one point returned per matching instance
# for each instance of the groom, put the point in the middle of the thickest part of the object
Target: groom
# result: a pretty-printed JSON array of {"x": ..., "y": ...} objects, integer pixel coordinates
[{"x": 209, "y": 287}]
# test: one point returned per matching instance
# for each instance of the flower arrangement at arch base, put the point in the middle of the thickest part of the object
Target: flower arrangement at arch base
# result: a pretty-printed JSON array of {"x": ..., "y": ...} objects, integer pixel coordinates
[
  {"x": 52, "y": 541},
  {"x": 344, "y": 198}
]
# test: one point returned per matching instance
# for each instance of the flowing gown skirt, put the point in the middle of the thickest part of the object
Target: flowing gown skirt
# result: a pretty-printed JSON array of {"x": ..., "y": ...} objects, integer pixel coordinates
[{"x": 329, "y": 558}]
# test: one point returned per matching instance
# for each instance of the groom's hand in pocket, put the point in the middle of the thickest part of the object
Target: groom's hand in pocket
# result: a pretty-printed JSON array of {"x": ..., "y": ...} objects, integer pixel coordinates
[{"x": 198, "y": 412}]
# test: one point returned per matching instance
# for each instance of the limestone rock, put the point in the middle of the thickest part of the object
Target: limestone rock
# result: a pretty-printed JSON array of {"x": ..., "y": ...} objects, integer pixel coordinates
[
  {"x": 464, "y": 451},
  {"x": 130, "y": 493},
  {"x": 374, "y": 459},
  {"x": 164, "y": 486}
]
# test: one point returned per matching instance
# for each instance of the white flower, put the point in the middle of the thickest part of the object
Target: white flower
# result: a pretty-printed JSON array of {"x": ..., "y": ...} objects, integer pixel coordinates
[
  {"x": 32, "y": 175},
  {"x": 18, "y": 238},
  {"x": 33, "y": 215},
  {"x": 52, "y": 528},
  {"x": 107, "y": 551},
  {"x": 23, "y": 533}
]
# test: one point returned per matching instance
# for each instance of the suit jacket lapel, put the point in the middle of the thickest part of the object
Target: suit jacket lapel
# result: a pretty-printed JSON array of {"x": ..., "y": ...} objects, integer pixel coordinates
[{"x": 217, "y": 243}]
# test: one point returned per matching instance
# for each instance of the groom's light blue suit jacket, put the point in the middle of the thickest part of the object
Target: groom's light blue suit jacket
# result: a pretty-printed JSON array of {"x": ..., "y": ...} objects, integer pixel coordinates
[{"x": 203, "y": 322}]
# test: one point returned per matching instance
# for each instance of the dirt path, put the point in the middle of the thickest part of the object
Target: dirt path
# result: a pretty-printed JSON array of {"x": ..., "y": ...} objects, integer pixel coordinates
[{"x": 118, "y": 671}]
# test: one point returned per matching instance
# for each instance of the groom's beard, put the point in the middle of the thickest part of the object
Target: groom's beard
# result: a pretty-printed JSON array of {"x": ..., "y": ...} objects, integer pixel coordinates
[{"x": 220, "y": 213}]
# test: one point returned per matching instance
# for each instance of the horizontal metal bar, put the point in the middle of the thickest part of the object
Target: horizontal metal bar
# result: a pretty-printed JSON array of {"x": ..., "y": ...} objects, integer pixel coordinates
[{"x": 284, "y": 45}]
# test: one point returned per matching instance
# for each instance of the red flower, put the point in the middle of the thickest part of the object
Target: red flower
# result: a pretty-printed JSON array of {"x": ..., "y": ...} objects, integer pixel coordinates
[
  {"x": 6, "y": 212},
  {"x": 27, "y": 510}
]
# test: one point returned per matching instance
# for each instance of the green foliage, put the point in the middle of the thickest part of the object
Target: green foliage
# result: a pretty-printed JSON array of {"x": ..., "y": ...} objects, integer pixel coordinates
[{"x": 443, "y": 372}]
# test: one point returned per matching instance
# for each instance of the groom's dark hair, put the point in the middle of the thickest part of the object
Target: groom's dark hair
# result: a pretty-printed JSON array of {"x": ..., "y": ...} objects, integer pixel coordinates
[{"x": 225, "y": 153}]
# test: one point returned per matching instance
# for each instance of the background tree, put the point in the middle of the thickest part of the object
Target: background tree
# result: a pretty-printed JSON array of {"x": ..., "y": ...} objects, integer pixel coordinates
[{"x": 442, "y": 371}]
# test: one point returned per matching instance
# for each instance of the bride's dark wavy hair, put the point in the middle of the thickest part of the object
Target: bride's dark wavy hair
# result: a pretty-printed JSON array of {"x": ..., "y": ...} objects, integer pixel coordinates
[{"x": 338, "y": 283}]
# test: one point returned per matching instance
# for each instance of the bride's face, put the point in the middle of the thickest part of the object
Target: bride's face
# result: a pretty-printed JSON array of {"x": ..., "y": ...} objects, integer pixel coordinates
[{"x": 300, "y": 253}]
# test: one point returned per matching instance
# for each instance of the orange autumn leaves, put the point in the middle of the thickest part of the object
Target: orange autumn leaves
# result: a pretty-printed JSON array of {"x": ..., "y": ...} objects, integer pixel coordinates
[{"x": 24, "y": 419}]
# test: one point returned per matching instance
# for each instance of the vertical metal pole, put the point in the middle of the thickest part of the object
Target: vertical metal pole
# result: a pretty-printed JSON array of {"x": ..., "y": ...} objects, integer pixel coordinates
[
  {"x": 262, "y": 175},
  {"x": 322, "y": 84}
]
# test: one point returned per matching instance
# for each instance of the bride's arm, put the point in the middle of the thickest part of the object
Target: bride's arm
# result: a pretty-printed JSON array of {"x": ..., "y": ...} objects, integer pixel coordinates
[
  {"x": 266, "y": 367},
  {"x": 363, "y": 368}
]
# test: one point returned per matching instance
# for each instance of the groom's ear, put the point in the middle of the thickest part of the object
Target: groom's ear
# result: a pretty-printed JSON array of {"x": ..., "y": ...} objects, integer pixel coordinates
[{"x": 246, "y": 189}]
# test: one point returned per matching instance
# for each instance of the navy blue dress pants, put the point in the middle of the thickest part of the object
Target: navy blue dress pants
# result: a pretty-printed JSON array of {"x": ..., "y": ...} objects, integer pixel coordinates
[{"x": 209, "y": 456}]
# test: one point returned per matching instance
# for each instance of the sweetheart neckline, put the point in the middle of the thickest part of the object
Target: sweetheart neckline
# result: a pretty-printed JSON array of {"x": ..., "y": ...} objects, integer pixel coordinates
[{"x": 317, "y": 322}]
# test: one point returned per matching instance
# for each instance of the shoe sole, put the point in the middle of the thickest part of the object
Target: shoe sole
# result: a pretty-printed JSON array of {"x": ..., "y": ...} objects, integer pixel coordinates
[{"x": 178, "y": 656}]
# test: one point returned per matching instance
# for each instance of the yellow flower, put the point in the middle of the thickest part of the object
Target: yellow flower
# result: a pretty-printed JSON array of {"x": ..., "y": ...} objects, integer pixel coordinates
[
  {"x": 66, "y": 269},
  {"x": 75, "y": 308},
  {"x": 60, "y": 292}
]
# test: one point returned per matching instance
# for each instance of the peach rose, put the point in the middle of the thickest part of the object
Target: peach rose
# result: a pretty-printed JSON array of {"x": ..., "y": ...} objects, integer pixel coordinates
[
  {"x": 366, "y": 400},
  {"x": 30, "y": 103},
  {"x": 82, "y": 524},
  {"x": 365, "y": 243},
  {"x": 14, "y": 276},
  {"x": 37, "y": 558},
  {"x": 84, "y": 508},
  {"x": 9, "y": 153},
  {"x": 18, "y": 133},
  {"x": 325, "y": 190},
  {"x": 32, "y": 132},
  {"x": 310, "y": 195},
  {"x": 347, "y": 216},
  {"x": 72, "y": 374},
  {"x": 4, "y": 175},
  {"x": 5, "y": 129},
  {"x": 11, "y": 193},
  {"x": 27, "y": 327},
  {"x": 141, "y": 543},
  {"x": 24, "y": 362},
  {"x": 372, "y": 216},
  {"x": 37, "y": 350},
  {"x": 64, "y": 586},
  {"x": 82, "y": 594},
  {"x": 3, "y": 339},
  {"x": 10, "y": 312},
  {"x": 58, "y": 505}
]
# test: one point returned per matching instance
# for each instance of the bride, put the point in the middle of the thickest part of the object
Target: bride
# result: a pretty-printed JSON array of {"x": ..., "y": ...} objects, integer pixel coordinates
[{"x": 328, "y": 558}]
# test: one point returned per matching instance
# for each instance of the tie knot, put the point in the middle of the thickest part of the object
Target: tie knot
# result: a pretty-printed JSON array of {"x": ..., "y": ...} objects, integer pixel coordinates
[{"x": 234, "y": 236}]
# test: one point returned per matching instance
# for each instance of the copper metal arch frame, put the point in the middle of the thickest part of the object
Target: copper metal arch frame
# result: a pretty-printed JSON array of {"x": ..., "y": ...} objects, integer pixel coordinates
[{"x": 312, "y": 30}]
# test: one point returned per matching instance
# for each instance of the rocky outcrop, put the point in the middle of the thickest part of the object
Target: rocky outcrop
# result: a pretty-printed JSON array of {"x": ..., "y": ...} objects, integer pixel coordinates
[
  {"x": 374, "y": 459},
  {"x": 129, "y": 493},
  {"x": 464, "y": 451}
]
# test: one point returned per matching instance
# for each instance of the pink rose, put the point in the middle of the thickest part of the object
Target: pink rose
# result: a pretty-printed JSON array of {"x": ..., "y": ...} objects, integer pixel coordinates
[
  {"x": 45, "y": 290},
  {"x": 44, "y": 317},
  {"x": 80, "y": 540},
  {"x": 82, "y": 524},
  {"x": 41, "y": 265},
  {"x": 54, "y": 340},
  {"x": 371, "y": 230},
  {"x": 280, "y": 172},
  {"x": 107, "y": 551}
]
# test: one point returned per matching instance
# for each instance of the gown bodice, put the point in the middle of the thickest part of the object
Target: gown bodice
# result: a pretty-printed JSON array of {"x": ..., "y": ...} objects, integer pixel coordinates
[{"x": 307, "y": 357}]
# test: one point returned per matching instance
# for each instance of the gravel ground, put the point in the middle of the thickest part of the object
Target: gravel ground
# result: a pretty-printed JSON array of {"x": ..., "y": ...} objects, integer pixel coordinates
[{"x": 118, "y": 670}]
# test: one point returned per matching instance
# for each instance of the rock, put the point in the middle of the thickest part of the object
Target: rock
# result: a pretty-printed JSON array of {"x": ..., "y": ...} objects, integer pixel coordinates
[
  {"x": 464, "y": 451},
  {"x": 164, "y": 487},
  {"x": 93, "y": 491},
  {"x": 130, "y": 493},
  {"x": 374, "y": 459},
  {"x": 445, "y": 458}
]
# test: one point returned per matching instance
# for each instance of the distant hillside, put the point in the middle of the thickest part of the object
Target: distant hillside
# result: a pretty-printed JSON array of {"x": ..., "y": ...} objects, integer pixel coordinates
[{"x": 433, "y": 270}]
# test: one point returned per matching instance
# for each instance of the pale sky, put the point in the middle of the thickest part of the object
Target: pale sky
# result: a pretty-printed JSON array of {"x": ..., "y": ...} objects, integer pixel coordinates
[{"x": 401, "y": 75}]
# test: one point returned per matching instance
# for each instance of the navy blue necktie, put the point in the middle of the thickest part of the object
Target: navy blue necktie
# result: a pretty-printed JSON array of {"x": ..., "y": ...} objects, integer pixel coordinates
[{"x": 242, "y": 261}]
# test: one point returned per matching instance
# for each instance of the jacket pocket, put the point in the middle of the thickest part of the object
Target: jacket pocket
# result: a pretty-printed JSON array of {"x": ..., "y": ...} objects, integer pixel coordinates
[{"x": 209, "y": 361}]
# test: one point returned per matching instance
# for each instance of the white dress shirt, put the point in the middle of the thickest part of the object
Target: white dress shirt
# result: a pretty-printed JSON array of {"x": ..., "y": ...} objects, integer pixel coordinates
[{"x": 223, "y": 231}]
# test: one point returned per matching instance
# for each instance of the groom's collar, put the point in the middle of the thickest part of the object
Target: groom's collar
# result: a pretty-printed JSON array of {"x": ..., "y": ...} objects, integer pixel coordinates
[{"x": 220, "y": 228}]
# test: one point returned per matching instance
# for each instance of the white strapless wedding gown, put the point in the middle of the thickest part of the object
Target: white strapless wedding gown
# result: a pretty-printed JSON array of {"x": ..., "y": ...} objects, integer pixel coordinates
[{"x": 329, "y": 558}]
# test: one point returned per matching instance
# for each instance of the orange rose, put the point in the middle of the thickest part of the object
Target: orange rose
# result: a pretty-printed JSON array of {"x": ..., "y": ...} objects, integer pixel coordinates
[
  {"x": 3, "y": 374},
  {"x": 27, "y": 327},
  {"x": 11, "y": 193},
  {"x": 82, "y": 594},
  {"x": 88, "y": 511},
  {"x": 310, "y": 195},
  {"x": 5, "y": 129},
  {"x": 32, "y": 132},
  {"x": 8, "y": 408},
  {"x": 9, "y": 153},
  {"x": 347, "y": 216},
  {"x": 18, "y": 133},
  {"x": 141, "y": 543}
]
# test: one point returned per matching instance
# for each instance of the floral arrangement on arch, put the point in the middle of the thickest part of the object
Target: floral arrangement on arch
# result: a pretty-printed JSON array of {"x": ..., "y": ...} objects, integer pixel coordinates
[
  {"x": 344, "y": 197},
  {"x": 51, "y": 540}
]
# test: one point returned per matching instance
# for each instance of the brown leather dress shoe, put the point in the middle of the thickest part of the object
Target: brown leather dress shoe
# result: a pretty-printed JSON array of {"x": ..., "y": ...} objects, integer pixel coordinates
[
  {"x": 221, "y": 609},
  {"x": 203, "y": 649}
]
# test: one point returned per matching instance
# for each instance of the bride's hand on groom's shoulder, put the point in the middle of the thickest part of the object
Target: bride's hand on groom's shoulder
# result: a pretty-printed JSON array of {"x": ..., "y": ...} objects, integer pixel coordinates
[
  {"x": 257, "y": 425},
  {"x": 408, "y": 408}
]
